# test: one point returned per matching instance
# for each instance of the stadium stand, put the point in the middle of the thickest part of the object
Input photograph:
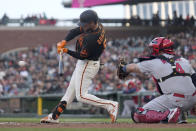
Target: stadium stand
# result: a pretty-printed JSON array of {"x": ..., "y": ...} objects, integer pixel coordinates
[
  {"x": 40, "y": 75},
  {"x": 41, "y": 19}
]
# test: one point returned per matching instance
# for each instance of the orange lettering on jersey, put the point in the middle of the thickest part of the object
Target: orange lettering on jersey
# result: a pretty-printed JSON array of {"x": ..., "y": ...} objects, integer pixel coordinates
[
  {"x": 80, "y": 29},
  {"x": 104, "y": 44},
  {"x": 99, "y": 42},
  {"x": 84, "y": 53},
  {"x": 80, "y": 40},
  {"x": 101, "y": 38}
]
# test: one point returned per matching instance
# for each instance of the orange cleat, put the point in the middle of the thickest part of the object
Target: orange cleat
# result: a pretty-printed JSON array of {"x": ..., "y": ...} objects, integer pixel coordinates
[
  {"x": 49, "y": 119},
  {"x": 114, "y": 113}
]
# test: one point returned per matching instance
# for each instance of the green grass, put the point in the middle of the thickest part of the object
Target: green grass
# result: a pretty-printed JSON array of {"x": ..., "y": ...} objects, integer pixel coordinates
[
  {"x": 89, "y": 120},
  {"x": 95, "y": 129}
]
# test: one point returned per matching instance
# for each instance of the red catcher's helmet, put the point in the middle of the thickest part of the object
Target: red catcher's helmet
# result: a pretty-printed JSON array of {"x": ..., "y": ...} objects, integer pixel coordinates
[{"x": 161, "y": 44}]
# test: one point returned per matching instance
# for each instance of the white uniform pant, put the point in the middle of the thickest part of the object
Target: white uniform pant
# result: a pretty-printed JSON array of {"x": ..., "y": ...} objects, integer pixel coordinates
[
  {"x": 169, "y": 101},
  {"x": 81, "y": 79}
]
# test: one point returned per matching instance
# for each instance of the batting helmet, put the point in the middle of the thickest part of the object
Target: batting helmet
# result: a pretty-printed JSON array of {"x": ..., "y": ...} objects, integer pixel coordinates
[
  {"x": 161, "y": 44},
  {"x": 87, "y": 17}
]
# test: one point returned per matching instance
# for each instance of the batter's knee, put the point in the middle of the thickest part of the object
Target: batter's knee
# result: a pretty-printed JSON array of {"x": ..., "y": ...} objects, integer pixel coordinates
[{"x": 79, "y": 98}]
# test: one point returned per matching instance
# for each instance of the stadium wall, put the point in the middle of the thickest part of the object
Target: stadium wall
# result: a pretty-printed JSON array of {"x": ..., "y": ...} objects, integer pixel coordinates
[{"x": 17, "y": 37}]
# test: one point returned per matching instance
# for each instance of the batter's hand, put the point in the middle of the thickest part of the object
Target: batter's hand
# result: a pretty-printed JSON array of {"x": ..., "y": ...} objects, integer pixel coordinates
[
  {"x": 65, "y": 50},
  {"x": 61, "y": 44}
]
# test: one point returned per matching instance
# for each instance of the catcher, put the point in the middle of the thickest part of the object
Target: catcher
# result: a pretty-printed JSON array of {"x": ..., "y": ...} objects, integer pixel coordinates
[{"x": 175, "y": 80}]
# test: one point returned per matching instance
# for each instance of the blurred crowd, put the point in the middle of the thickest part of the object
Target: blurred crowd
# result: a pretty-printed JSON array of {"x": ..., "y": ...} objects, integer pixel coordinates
[
  {"x": 189, "y": 21},
  {"x": 36, "y": 19},
  {"x": 41, "y": 19},
  {"x": 40, "y": 75}
]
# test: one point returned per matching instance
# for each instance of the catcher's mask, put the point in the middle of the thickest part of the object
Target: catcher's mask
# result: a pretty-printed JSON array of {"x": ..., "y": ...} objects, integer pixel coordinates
[{"x": 161, "y": 44}]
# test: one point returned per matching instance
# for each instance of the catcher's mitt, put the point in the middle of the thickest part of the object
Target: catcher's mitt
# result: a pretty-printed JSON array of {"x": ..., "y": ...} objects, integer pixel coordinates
[{"x": 120, "y": 72}]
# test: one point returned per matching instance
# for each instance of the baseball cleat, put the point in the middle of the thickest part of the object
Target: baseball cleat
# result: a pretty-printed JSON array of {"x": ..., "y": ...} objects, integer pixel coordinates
[
  {"x": 114, "y": 113},
  {"x": 182, "y": 122},
  {"x": 173, "y": 115},
  {"x": 49, "y": 119}
]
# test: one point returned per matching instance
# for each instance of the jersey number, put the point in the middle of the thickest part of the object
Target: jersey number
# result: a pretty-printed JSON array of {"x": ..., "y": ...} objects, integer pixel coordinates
[{"x": 179, "y": 68}]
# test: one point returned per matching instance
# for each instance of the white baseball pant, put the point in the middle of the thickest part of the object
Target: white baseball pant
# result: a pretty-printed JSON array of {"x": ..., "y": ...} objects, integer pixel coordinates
[{"x": 81, "y": 79}]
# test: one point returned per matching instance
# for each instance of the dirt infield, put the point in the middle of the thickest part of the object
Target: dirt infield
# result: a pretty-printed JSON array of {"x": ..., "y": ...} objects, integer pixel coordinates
[{"x": 93, "y": 125}]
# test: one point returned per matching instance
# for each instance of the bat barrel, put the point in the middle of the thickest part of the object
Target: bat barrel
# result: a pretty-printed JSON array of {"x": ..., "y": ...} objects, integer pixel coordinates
[{"x": 60, "y": 72}]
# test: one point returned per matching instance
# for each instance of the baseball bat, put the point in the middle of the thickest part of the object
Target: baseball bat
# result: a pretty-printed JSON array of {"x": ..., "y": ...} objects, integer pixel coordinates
[{"x": 61, "y": 63}]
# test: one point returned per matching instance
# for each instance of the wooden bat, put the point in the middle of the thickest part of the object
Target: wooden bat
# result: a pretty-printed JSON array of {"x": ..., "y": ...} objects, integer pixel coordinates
[{"x": 61, "y": 63}]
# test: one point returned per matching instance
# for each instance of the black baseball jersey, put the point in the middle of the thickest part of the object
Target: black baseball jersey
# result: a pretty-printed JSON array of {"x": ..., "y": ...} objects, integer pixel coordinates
[{"x": 89, "y": 45}]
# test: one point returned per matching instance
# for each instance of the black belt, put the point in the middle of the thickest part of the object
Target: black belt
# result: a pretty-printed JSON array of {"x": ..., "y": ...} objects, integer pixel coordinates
[{"x": 93, "y": 59}]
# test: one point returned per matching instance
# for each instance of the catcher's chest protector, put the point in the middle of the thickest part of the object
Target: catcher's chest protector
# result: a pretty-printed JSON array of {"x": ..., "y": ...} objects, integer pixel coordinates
[
  {"x": 171, "y": 61},
  {"x": 176, "y": 70}
]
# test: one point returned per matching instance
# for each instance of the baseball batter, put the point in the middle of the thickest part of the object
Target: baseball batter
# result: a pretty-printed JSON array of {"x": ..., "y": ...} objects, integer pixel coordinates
[
  {"x": 89, "y": 47},
  {"x": 175, "y": 79}
]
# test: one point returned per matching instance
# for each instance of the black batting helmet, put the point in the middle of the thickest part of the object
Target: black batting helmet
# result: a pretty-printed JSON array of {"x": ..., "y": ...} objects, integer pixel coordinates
[{"x": 87, "y": 17}]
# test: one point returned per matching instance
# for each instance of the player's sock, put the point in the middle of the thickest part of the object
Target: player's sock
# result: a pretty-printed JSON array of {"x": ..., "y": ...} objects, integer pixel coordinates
[{"x": 58, "y": 110}]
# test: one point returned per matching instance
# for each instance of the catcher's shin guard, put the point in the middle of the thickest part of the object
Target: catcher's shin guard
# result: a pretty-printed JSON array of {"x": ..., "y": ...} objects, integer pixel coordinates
[
  {"x": 148, "y": 116},
  {"x": 58, "y": 110}
]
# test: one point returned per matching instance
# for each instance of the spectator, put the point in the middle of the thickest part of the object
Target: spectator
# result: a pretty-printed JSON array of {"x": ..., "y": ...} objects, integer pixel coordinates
[
  {"x": 192, "y": 21},
  {"x": 130, "y": 104},
  {"x": 5, "y": 19},
  {"x": 40, "y": 76},
  {"x": 156, "y": 19}
]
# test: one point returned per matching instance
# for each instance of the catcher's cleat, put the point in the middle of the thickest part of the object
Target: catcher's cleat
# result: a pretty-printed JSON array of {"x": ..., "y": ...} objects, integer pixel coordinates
[
  {"x": 182, "y": 118},
  {"x": 173, "y": 115},
  {"x": 49, "y": 119},
  {"x": 182, "y": 122},
  {"x": 114, "y": 113}
]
